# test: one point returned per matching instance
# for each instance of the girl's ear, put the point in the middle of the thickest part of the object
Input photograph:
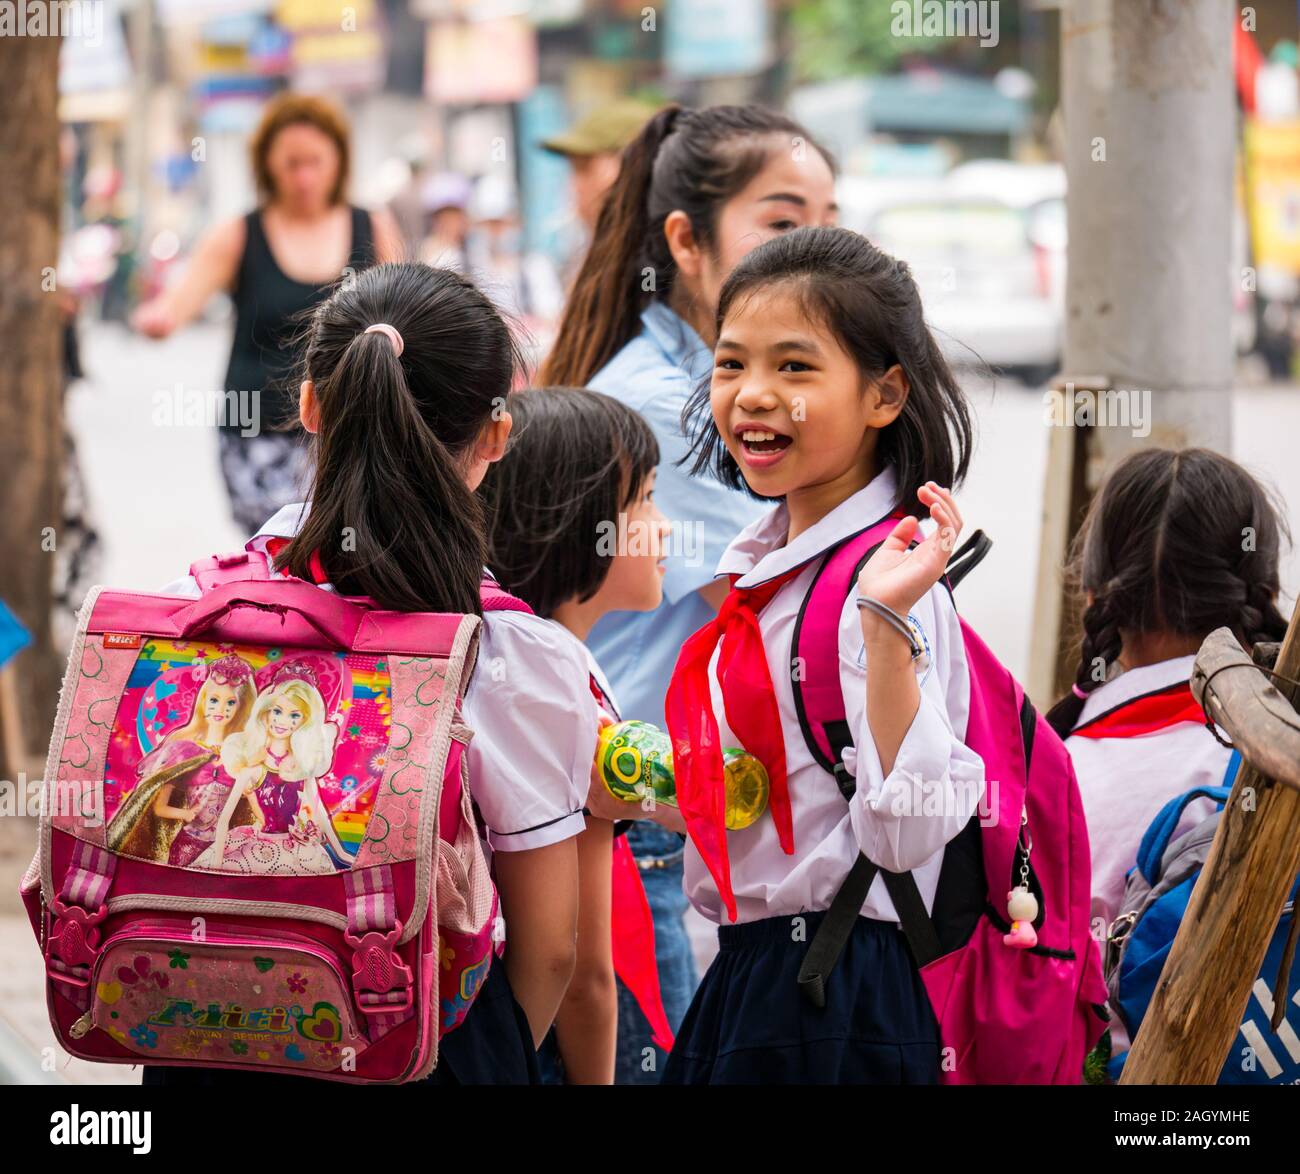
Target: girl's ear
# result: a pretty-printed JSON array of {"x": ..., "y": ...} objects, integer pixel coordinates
[
  {"x": 489, "y": 448},
  {"x": 682, "y": 244},
  {"x": 888, "y": 395},
  {"x": 309, "y": 406}
]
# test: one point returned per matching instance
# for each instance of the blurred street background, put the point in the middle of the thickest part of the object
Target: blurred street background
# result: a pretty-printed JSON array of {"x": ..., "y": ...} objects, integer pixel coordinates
[{"x": 951, "y": 153}]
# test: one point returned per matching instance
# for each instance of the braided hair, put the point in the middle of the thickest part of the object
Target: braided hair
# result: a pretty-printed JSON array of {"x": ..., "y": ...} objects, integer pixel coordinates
[{"x": 1180, "y": 541}]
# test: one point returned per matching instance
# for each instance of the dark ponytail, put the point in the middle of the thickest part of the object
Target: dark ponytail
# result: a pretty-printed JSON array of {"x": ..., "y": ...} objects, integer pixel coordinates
[
  {"x": 391, "y": 514},
  {"x": 692, "y": 161},
  {"x": 1176, "y": 541}
]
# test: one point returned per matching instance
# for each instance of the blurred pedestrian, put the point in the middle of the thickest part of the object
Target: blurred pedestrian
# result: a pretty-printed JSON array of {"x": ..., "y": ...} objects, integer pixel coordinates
[
  {"x": 445, "y": 197},
  {"x": 593, "y": 147},
  {"x": 524, "y": 284},
  {"x": 696, "y": 191},
  {"x": 276, "y": 262}
]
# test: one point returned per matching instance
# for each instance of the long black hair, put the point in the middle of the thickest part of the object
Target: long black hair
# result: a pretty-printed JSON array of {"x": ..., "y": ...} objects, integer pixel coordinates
[
  {"x": 869, "y": 302},
  {"x": 391, "y": 514},
  {"x": 1175, "y": 541},
  {"x": 577, "y": 459},
  {"x": 692, "y": 161}
]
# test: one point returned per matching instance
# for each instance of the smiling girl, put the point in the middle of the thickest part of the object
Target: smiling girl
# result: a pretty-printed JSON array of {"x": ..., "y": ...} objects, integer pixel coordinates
[
  {"x": 828, "y": 395},
  {"x": 696, "y": 191}
]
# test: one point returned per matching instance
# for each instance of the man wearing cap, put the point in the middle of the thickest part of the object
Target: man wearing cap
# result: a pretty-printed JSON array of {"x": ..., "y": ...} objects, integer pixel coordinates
[{"x": 593, "y": 146}]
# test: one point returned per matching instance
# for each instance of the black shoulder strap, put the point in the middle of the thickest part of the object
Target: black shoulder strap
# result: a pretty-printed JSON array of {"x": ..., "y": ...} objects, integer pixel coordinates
[
  {"x": 967, "y": 557},
  {"x": 828, "y": 942}
]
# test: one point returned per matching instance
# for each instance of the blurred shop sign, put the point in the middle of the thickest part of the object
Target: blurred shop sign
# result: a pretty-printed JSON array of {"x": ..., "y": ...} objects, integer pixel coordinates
[
  {"x": 334, "y": 48},
  {"x": 472, "y": 61},
  {"x": 174, "y": 12},
  {"x": 95, "y": 73},
  {"x": 1273, "y": 166},
  {"x": 472, "y": 9},
  {"x": 715, "y": 38}
]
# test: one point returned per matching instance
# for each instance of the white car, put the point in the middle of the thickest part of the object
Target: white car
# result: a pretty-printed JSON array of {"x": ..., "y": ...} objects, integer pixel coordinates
[{"x": 990, "y": 281}]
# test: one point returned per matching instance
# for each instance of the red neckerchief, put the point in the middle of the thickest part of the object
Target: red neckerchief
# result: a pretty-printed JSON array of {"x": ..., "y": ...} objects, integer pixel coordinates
[
  {"x": 750, "y": 704},
  {"x": 1146, "y": 714}
]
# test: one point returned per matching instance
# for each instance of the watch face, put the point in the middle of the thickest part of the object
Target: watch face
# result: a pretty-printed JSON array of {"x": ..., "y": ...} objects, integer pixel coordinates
[{"x": 923, "y": 663}]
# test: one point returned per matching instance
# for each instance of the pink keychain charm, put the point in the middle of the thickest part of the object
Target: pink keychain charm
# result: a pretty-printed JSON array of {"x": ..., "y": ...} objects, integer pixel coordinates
[{"x": 1022, "y": 905}]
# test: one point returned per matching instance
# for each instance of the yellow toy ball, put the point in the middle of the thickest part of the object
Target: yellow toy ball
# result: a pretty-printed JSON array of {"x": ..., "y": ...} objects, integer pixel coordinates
[{"x": 747, "y": 788}]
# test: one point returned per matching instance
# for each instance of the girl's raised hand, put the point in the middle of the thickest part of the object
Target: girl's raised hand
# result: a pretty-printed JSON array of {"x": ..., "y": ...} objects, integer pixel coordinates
[{"x": 898, "y": 577}]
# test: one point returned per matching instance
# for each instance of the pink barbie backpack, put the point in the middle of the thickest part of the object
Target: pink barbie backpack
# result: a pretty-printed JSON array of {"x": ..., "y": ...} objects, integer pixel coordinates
[
  {"x": 257, "y": 847},
  {"x": 1006, "y": 1014}
]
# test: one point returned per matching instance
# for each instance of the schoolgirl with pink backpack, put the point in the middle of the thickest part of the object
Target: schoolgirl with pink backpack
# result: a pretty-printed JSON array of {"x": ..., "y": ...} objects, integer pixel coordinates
[
  {"x": 914, "y": 906},
  {"x": 268, "y": 786}
]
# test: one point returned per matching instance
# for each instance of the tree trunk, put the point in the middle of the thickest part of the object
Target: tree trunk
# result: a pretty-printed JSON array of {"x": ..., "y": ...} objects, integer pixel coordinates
[{"x": 31, "y": 409}]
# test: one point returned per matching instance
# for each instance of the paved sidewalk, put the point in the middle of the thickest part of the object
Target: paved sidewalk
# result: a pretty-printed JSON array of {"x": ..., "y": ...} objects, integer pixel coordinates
[{"x": 28, "y": 1053}]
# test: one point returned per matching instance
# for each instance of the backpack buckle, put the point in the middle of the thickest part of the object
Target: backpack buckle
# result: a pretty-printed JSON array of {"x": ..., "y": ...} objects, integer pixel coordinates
[
  {"x": 73, "y": 943},
  {"x": 381, "y": 981}
]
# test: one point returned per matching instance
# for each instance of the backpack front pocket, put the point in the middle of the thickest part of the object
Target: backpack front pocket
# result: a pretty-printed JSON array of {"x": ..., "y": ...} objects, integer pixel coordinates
[{"x": 276, "y": 1001}]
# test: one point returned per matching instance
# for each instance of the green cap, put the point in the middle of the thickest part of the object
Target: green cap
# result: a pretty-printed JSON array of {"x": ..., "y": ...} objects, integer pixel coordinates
[{"x": 607, "y": 129}]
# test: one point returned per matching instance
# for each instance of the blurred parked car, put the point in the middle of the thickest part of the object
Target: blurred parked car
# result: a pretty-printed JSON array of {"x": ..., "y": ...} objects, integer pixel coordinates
[
  {"x": 990, "y": 293},
  {"x": 987, "y": 242}
]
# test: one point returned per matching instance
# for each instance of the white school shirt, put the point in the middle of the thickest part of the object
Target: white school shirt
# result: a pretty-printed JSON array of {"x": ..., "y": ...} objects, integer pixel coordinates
[
  {"x": 901, "y": 821},
  {"x": 534, "y": 718},
  {"x": 1124, "y": 782}
]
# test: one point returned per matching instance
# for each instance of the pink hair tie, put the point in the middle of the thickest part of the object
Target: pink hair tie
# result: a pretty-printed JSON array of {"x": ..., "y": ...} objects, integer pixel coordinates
[
  {"x": 1079, "y": 693},
  {"x": 391, "y": 332}
]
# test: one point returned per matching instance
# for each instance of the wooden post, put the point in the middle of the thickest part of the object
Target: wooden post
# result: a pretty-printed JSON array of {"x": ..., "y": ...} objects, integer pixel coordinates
[
  {"x": 1233, "y": 913},
  {"x": 1147, "y": 99}
]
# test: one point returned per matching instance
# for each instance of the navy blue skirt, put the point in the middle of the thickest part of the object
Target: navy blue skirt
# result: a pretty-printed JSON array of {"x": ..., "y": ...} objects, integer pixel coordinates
[
  {"x": 493, "y": 1046},
  {"x": 750, "y": 1024}
]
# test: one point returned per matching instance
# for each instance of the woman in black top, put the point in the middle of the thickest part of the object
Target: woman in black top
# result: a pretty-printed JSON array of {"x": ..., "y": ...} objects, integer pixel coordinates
[{"x": 277, "y": 261}]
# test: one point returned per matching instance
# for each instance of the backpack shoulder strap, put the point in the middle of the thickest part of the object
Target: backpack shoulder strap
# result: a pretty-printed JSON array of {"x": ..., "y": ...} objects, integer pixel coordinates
[
  {"x": 494, "y": 597},
  {"x": 815, "y": 651},
  {"x": 236, "y": 567},
  {"x": 1161, "y": 829},
  {"x": 814, "y": 671}
]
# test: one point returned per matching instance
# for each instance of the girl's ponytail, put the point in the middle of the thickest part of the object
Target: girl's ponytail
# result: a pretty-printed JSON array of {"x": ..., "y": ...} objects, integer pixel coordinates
[
  {"x": 1102, "y": 644},
  {"x": 603, "y": 311},
  {"x": 392, "y": 516}
]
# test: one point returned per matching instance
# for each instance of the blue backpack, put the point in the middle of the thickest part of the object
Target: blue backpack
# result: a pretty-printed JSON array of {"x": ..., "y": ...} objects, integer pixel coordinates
[{"x": 1156, "y": 897}]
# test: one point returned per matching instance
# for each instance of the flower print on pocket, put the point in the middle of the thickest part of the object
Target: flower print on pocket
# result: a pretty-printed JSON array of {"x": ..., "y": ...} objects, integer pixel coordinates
[{"x": 141, "y": 972}]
